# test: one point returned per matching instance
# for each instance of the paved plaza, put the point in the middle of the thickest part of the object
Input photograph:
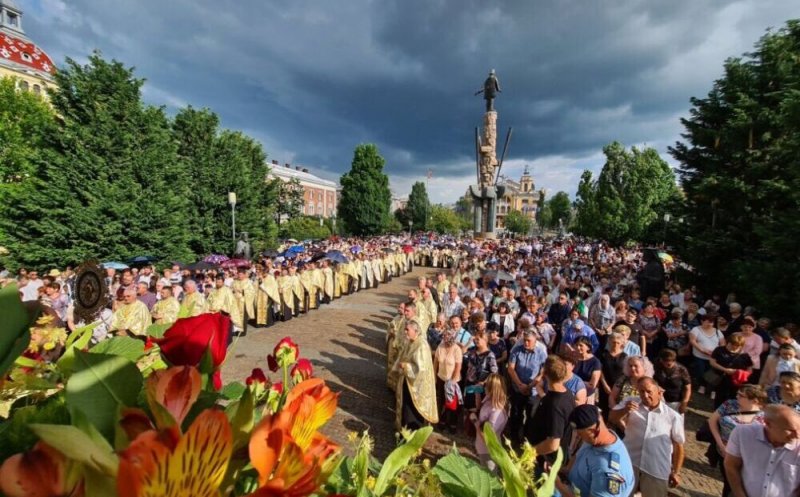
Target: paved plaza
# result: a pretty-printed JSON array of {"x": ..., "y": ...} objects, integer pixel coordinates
[{"x": 346, "y": 340}]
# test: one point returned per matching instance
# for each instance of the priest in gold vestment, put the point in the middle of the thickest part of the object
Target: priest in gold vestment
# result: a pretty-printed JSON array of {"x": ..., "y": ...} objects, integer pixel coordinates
[
  {"x": 395, "y": 338},
  {"x": 166, "y": 310},
  {"x": 415, "y": 394},
  {"x": 267, "y": 296},
  {"x": 193, "y": 303},
  {"x": 286, "y": 288},
  {"x": 132, "y": 316},
  {"x": 328, "y": 281},
  {"x": 244, "y": 296},
  {"x": 220, "y": 299}
]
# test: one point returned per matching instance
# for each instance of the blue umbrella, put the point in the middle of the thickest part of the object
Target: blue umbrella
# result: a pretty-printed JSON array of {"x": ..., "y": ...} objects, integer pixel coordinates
[
  {"x": 142, "y": 259},
  {"x": 336, "y": 256},
  {"x": 114, "y": 265},
  {"x": 296, "y": 249}
]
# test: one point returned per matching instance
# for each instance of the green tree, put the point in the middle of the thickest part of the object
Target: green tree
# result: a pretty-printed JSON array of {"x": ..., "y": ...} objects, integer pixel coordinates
[
  {"x": 518, "y": 223},
  {"x": 109, "y": 183},
  {"x": 304, "y": 228},
  {"x": 419, "y": 207},
  {"x": 366, "y": 198},
  {"x": 633, "y": 189},
  {"x": 26, "y": 120},
  {"x": 403, "y": 216},
  {"x": 290, "y": 199},
  {"x": 219, "y": 162},
  {"x": 444, "y": 220},
  {"x": 741, "y": 176},
  {"x": 560, "y": 207},
  {"x": 464, "y": 211}
]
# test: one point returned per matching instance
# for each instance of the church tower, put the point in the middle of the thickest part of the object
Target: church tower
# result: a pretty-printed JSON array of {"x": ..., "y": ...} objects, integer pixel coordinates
[{"x": 526, "y": 182}]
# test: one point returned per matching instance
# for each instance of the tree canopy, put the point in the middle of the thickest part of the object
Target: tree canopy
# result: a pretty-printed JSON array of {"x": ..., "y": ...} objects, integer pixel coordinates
[
  {"x": 444, "y": 220},
  {"x": 365, "y": 199},
  {"x": 112, "y": 178},
  {"x": 632, "y": 191},
  {"x": 517, "y": 222},
  {"x": 418, "y": 207},
  {"x": 560, "y": 208},
  {"x": 740, "y": 173}
]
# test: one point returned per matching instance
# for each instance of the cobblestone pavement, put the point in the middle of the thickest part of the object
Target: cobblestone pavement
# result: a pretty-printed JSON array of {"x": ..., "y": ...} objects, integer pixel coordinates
[{"x": 345, "y": 341}]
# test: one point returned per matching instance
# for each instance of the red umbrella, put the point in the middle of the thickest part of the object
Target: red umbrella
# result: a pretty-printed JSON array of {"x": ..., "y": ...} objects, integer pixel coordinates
[
  {"x": 408, "y": 249},
  {"x": 235, "y": 263}
]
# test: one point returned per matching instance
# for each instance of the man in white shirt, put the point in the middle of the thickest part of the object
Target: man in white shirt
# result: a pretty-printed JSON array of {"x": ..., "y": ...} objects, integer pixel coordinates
[
  {"x": 654, "y": 438},
  {"x": 31, "y": 289},
  {"x": 764, "y": 461}
]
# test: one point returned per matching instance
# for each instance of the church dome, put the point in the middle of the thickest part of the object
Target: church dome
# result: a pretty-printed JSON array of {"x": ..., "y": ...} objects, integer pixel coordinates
[{"x": 24, "y": 55}]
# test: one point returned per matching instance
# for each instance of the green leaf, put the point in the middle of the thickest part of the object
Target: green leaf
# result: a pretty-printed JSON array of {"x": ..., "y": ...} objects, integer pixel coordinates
[
  {"x": 15, "y": 335},
  {"x": 241, "y": 414},
  {"x": 127, "y": 347},
  {"x": 513, "y": 482},
  {"x": 462, "y": 477},
  {"x": 233, "y": 390},
  {"x": 399, "y": 459},
  {"x": 78, "y": 340},
  {"x": 158, "y": 330},
  {"x": 78, "y": 446},
  {"x": 548, "y": 481},
  {"x": 100, "y": 385}
]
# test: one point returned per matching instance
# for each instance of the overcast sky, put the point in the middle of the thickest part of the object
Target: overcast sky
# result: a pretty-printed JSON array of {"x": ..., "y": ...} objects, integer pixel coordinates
[{"x": 312, "y": 79}]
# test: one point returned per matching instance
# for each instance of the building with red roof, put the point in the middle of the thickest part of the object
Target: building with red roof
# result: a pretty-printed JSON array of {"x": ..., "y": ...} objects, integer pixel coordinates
[{"x": 19, "y": 56}]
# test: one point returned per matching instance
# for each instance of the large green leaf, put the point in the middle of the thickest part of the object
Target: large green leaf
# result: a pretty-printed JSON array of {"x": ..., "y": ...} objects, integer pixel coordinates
[
  {"x": 78, "y": 340},
  {"x": 158, "y": 330},
  {"x": 399, "y": 459},
  {"x": 79, "y": 446},
  {"x": 513, "y": 482},
  {"x": 462, "y": 477},
  {"x": 127, "y": 347},
  {"x": 548, "y": 481},
  {"x": 15, "y": 335},
  {"x": 100, "y": 385}
]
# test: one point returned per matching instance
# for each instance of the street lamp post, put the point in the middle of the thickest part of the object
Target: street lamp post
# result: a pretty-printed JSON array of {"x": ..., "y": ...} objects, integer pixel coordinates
[
  {"x": 667, "y": 217},
  {"x": 232, "y": 201}
]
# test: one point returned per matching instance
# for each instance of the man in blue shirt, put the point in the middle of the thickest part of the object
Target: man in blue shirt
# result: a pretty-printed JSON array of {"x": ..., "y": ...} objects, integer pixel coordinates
[
  {"x": 578, "y": 328},
  {"x": 525, "y": 370},
  {"x": 602, "y": 466}
]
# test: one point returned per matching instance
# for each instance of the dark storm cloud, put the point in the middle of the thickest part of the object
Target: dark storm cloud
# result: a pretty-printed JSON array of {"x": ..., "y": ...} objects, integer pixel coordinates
[{"x": 312, "y": 79}]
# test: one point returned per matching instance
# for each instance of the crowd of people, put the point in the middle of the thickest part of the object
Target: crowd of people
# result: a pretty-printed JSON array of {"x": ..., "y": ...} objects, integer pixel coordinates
[
  {"x": 563, "y": 344},
  {"x": 597, "y": 351},
  {"x": 258, "y": 294}
]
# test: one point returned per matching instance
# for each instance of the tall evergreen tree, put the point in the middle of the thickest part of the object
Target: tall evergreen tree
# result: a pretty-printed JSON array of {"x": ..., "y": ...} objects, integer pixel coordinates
[
  {"x": 366, "y": 198},
  {"x": 418, "y": 206},
  {"x": 560, "y": 207},
  {"x": 108, "y": 184},
  {"x": 741, "y": 176}
]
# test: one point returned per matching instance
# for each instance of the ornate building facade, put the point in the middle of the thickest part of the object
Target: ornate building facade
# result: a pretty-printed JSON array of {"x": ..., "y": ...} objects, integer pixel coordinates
[
  {"x": 320, "y": 197},
  {"x": 520, "y": 196},
  {"x": 20, "y": 58}
]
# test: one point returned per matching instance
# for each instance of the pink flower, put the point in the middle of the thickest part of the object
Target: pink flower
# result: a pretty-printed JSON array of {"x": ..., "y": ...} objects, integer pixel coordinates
[{"x": 284, "y": 354}]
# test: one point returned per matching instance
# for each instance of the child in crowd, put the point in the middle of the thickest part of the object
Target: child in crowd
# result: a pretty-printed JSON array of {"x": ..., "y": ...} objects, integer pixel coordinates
[{"x": 493, "y": 411}]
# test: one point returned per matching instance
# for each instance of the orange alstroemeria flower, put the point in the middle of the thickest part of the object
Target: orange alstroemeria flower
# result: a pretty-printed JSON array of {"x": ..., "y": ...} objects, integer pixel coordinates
[
  {"x": 40, "y": 472},
  {"x": 286, "y": 448},
  {"x": 166, "y": 464},
  {"x": 175, "y": 389}
]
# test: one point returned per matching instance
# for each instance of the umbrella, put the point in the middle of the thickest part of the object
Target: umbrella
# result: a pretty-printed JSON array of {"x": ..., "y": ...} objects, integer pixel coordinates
[
  {"x": 114, "y": 265},
  {"x": 388, "y": 250},
  {"x": 202, "y": 266},
  {"x": 216, "y": 259},
  {"x": 296, "y": 249},
  {"x": 235, "y": 263},
  {"x": 355, "y": 249},
  {"x": 269, "y": 253},
  {"x": 318, "y": 256},
  {"x": 291, "y": 240},
  {"x": 336, "y": 256},
  {"x": 142, "y": 260},
  {"x": 408, "y": 249},
  {"x": 500, "y": 275}
]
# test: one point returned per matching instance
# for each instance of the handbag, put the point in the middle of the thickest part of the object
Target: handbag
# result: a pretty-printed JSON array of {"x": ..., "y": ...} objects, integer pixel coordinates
[{"x": 712, "y": 377}]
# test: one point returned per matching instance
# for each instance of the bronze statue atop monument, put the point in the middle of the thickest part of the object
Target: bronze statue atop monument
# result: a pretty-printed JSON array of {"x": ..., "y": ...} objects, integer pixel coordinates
[{"x": 486, "y": 192}]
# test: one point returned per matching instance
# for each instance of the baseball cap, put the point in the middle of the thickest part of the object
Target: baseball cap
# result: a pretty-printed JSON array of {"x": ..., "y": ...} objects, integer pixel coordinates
[{"x": 584, "y": 416}]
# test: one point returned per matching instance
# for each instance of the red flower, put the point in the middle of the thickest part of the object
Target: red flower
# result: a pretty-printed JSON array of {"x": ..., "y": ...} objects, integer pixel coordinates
[
  {"x": 302, "y": 370},
  {"x": 272, "y": 363},
  {"x": 185, "y": 343},
  {"x": 257, "y": 375},
  {"x": 278, "y": 387},
  {"x": 148, "y": 344},
  {"x": 284, "y": 354}
]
